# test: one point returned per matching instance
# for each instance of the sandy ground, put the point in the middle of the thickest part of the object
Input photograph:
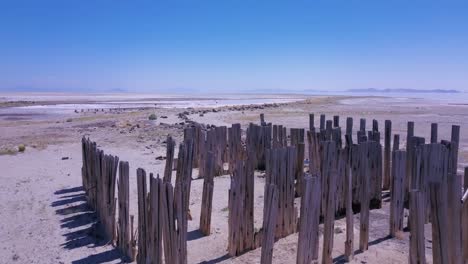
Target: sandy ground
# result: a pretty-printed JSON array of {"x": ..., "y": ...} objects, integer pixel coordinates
[{"x": 43, "y": 217}]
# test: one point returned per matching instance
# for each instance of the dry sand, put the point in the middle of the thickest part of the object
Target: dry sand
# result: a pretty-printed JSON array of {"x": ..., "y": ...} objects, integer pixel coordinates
[{"x": 43, "y": 218}]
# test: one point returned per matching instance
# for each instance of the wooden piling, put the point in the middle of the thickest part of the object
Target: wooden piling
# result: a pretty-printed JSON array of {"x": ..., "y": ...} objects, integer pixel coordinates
[
  {"x": 311, "y": 122},
  {"x": 440, "y": 236},
  {"x": 170, "y": 145},
  {"x": 322, "y": 122},
  {"x": 142, "y": 216},
  {"x": 434, "y": 133},
  {"x": 154, "y": 222},
  {"x": 387, "y": 153},
  {"x": 397, "y": 192},
  {"x": 207, "y": 196},
  {"x": 169, "y": 227},
  {"x": 417, "y": 246},
  {"x": 336, "y": 121},
  {"x": 269, "y": 222},
  {"x": 396, "y": 142},
  {"x": 329, "y": 175},
  {"x": 465, "y": 217},
  {"x": 349, "y": 243},
  {"x": 124, "y": 236},
  {"x": 365, "y": 197},
  {"x": 308, "y": 239},
  {"x": 362, "y": 124}
]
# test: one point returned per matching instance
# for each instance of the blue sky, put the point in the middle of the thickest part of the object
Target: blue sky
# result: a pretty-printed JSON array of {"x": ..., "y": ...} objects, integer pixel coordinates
[{"x": 162, "y": 46}]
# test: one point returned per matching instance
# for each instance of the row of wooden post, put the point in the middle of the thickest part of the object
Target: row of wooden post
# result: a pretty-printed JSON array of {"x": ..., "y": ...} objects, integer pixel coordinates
[
  {"x": 348, "y": 179},
  {"x": 99, "y": 177}
]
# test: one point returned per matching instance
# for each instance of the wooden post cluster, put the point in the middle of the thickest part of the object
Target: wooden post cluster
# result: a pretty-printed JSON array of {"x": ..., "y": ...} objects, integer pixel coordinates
[
  {"x": 281, "y": 163},
  {"x": 308, "y": 241},
  {"x": 260, "y": 139},
  {"x": 241, "y": 236},
  {"x": 280, "y": 138},
  {"x": 99, "y": 175},
  {"x": 297, "y": 140},
  {"x": 163, "y": 212},
  {"x": 340, "y": 180}
]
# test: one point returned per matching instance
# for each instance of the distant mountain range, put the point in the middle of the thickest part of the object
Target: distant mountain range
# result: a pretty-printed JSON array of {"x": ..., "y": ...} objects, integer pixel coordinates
[{"x": 374, "y": 90}]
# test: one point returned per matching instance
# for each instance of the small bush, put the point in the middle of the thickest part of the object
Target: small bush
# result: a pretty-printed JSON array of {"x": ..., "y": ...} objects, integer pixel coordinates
[
  {"x": 69, "y": 120},
  {"x": 152, "y": 117},
  {"x": 21, "y": 148}
]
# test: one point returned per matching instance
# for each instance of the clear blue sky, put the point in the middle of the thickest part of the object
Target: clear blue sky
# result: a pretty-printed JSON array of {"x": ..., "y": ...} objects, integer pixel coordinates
[{"x": 80, "y": 45}]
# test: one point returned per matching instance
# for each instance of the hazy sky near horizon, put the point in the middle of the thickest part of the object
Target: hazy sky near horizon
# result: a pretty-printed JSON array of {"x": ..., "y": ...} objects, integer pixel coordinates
[{"x": 233, "y": 45}]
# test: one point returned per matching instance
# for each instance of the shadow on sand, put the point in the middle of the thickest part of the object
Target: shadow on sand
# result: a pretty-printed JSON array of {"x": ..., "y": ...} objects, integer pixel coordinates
[{"x": 81, "y": 224}]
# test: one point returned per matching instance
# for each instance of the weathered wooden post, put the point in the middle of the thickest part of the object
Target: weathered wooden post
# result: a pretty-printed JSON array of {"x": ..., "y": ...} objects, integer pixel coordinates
[
  {"x": 328, "y": 130},
  {"x": 336, "y": 121},
  {"x": 154, "y": 222},
  {"x": 437, "y": 181},
  {"x": 396, "y": 142},
  {"x": 409, "y": 133},
  {"x": 322, "y": 122},
  {"x": 170, "y": 145},
  {"x": 397, "y": 192},
  {"x": 308, "y": 241},
  {"x": 142, "y": 216},
  {"x": 240, "y": 222},
  {"x": 311, "y": 122},
  {"x": 270, "y": 216},
  {"x": 182, "y": 196},
  {"x": 465, "y": 216},
  {"x": 365, "y": 196},
  {"x": 387, "y": 153},
  {"x": 262, "y": 119},
  {"x": 349, "y": 243},
  {"x": 297, "y": 140},
  {"x": 417, "y": 247},
  {"x": 439, "y": 223},
  {"x": 170, "y": 226},
  {"x": 125, "y": 240},
  {"x": 362, "y": 124},
  {"x": 329, "y": 175},
  {"x": 207, "y": 196},
  {"x": 454, "y": 198},
  {"x": 434, "y": 133},
  {"x": 106, "y": 194}
]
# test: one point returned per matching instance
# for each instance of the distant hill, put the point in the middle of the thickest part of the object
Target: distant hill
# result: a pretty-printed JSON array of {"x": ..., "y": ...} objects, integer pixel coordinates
[{"x": 374, "y": 90}]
